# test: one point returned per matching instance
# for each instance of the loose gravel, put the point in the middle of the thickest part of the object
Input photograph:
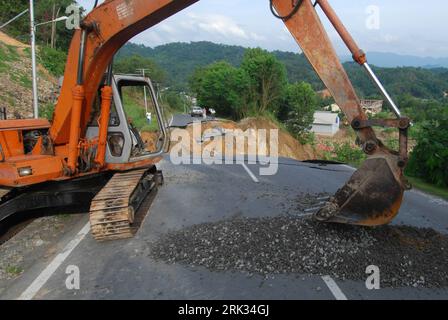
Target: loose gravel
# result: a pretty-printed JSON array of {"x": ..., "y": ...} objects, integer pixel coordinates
[{"x": 406, "y": 256}]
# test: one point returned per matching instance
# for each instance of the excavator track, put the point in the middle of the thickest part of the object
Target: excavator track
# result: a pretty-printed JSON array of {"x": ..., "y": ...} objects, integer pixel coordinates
[{"x": 112, "y": 211}]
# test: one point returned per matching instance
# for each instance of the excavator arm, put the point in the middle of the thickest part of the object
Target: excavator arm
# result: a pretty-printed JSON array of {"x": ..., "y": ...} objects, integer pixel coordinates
[{"x": 374, "y": 193}]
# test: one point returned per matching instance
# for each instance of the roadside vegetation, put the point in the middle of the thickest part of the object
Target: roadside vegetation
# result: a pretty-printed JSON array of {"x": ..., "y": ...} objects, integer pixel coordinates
[
  {"x": 429, "y": 159},
  {"x": 53, "y": 60},
  {"x": 14, "y": 271}
]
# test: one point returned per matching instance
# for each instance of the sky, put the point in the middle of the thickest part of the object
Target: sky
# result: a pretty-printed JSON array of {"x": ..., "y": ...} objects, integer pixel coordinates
[{"x": 410, "y": 27}]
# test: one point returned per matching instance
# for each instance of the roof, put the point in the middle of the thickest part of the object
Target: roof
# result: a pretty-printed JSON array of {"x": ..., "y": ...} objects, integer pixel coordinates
[
  {"x": 372, "y": 104},
  {"x": 323, "y": 117}
]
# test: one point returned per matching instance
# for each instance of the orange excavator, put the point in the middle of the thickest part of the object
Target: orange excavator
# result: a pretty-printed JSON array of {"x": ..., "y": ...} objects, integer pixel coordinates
[{"x": 86, "y": 155}]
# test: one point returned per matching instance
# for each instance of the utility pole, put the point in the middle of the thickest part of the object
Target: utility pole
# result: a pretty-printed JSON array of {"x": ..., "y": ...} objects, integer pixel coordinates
[
  {"x": 33, "y": 26},
  {"x": 53, "y": 26},
  {"x": 144, "y": 88},
  {"x": 33, "y": 61}
]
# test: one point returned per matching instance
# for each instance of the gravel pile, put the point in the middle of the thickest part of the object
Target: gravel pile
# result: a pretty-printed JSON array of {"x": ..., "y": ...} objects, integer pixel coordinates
[{"x": 406, "y": 256}]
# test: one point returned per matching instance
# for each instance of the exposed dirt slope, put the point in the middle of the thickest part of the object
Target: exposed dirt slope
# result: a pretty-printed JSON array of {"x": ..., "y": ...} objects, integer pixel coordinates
[
  {"x": 16, "y": 79},
  {"x": 288, "y": 147},
  {"x": 213, "y": 139},
  {"x": 5, "y": 39}
]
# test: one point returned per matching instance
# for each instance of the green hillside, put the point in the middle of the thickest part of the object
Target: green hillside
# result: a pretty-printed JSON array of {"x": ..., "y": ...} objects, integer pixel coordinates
[{"x": 181, "y": 59}]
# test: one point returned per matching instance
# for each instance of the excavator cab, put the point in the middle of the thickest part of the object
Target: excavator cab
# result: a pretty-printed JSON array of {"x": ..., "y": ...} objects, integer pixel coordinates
[
  {"x": 136, "y": 133},
  {"x": 134, "y": 106}
]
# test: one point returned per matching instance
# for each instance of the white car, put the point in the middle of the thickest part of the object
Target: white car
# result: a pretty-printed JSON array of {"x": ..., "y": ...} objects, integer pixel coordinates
[{"x": 197, "y": 112}]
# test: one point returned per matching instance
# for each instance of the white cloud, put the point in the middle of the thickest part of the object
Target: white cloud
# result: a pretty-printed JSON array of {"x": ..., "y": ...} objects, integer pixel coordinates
[
  {"x": 219, "y": 24},
  {"x": 192, "y": 26},
  {"x": 420, "y": 28},
  {"x": 388, "y": 38}
]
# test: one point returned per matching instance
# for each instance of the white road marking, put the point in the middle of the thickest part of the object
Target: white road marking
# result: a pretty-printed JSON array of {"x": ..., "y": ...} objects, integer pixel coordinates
[
  {"x": 250, "y": 172},
  {"x": 431, "y": 198},
  {"x": 46, "y": 274},
  {"x": 349, "y": 167},
  {"x": 334, "y": 288}
]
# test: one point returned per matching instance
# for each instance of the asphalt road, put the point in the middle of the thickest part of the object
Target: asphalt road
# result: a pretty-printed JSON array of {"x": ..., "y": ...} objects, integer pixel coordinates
[
  {"x": 195, "y": 194},
  {"x": 183, "y": 120}
]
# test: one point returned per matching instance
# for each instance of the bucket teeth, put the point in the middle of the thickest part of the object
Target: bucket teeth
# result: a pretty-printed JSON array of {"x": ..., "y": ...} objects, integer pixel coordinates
[
  {"x": 112, "y": 210},
  {"x": 329, "y": 210},
  {"x": 371, "y": 197}
]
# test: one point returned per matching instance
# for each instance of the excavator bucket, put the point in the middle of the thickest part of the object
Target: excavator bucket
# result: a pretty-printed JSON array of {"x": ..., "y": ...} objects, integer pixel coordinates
[{"x": 371, "y": 197}]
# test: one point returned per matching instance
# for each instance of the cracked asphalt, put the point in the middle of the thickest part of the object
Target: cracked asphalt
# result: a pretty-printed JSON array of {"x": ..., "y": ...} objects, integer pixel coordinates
[{"x": 198, "y": 194}]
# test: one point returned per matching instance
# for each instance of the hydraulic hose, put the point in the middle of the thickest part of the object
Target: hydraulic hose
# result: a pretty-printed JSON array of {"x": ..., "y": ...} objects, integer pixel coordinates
[{"x": 288, "y": 16}]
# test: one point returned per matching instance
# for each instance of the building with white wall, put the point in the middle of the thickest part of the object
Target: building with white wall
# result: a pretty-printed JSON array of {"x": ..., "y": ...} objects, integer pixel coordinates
[{"x": 325, "y": 123}]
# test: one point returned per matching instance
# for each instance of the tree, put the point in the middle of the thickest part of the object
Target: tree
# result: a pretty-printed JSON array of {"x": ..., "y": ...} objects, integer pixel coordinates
[
  {"x": 20, "y": 28},
  {"x": 267, "y": 77},
  {"x": 429, "y": 158},
  {"x": 222, "y": 87},
  {"x": 176, "y": 101},
  {"x": 298, "y": 107},
  {"x": 132, "y": 64},
  {"x": 53, "y": 60}
]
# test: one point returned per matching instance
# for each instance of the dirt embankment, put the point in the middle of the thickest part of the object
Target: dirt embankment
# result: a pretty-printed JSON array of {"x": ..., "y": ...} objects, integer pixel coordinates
[
  {"x": 222, "y": 137},
  {"x": 150, "y": 139},
  {"x": 16, "y": 80},
  {"x": 5, "y": 39}
]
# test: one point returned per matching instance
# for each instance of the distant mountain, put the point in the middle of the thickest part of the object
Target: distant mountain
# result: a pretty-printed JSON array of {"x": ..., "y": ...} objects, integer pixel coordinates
[
  {"x": 181, "y": 59},
  {"x": 392, "y": 60}
]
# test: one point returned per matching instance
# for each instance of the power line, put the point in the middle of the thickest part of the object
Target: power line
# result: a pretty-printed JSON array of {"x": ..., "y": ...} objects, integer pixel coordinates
[{"x": 13, "y": 19}]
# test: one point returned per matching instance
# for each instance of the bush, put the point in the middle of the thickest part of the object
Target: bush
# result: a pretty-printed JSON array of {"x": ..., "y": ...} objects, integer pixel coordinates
[
  {"x": 53, "y": 60},
  {"x": 176, "y": 101},
  {"x": 429, "y": 158},
  {"x": 342, "y": 152},
  {"x": 46, "y": 111},
  {"x": 307, "y": 138},
  {"x": 349, "y": 153}
]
